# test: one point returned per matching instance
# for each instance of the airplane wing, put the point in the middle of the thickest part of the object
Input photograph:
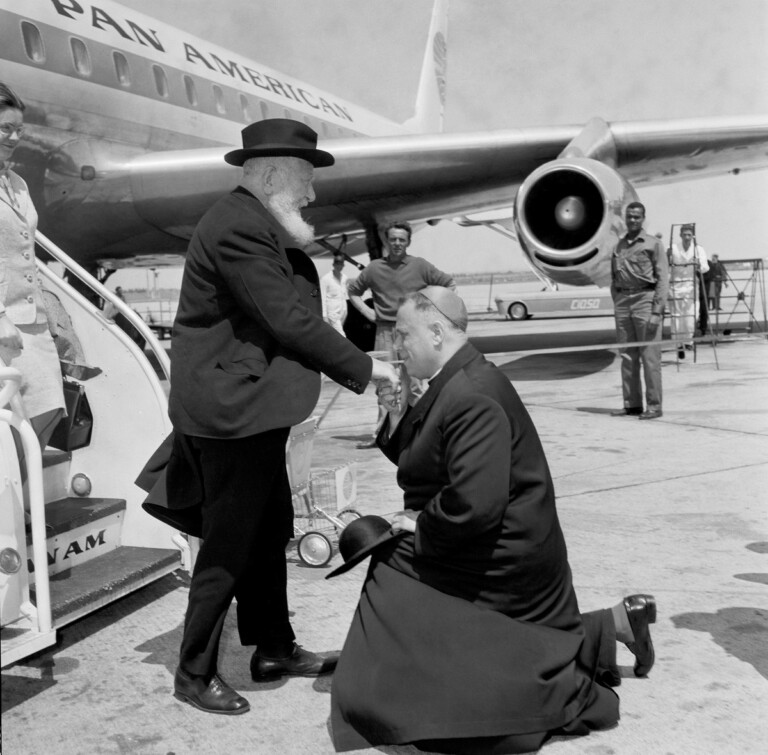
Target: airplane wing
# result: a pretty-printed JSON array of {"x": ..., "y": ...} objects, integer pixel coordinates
[{"x": 569, "y": 184}]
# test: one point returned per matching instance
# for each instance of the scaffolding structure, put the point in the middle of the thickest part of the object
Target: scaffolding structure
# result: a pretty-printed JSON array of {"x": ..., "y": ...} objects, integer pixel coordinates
[{"x": 743, "y": 291}]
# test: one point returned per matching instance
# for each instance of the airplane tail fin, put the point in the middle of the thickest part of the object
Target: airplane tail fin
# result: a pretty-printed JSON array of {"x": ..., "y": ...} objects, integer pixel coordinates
[{"x": 430, "y": 100}]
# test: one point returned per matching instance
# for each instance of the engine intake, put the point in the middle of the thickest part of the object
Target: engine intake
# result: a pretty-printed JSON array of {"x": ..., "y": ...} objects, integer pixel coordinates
[{"x": 569, "y": 214}]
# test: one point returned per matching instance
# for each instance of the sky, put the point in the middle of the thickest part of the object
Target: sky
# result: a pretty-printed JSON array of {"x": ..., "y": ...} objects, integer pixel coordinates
[{"x": 524, "y": 63}]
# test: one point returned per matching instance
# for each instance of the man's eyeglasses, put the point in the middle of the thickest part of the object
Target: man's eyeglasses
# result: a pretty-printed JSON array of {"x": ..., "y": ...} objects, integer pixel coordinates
[{"x": 6, "y": 129}]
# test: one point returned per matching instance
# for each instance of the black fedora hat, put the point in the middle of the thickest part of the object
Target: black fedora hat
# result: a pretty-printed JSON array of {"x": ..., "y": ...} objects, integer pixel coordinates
[
  {"x": 279, "y": 137},
  {"x": 360, "y": 538}
]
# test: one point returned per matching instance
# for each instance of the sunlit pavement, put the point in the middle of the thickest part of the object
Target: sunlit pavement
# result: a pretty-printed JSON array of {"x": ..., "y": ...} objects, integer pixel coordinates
[{"x": 675, "y": 507}]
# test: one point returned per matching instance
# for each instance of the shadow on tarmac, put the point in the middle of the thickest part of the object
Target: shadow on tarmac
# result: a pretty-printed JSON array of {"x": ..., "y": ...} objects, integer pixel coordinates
[
  {"x": 557, "y": 366},
  {"x": 17, "y": 690},
  {"x": 52, "y": 663},
  {"x": 760, "y": 578},
  {"x": 741, "y": 631}
]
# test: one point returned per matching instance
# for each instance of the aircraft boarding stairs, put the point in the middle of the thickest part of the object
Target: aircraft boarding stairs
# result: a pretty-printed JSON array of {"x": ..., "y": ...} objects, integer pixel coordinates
[
  {"x": 78, "y": 511},
  {"x": 88, "y": 564}
]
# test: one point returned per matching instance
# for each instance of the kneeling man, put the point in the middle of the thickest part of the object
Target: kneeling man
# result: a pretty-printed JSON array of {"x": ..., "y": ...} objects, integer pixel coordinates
[{"x": 468, "y": 636}]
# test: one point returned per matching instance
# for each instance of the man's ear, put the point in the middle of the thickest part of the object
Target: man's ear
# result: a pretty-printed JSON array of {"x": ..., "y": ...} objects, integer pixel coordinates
[
  {"x": 269, "y": 179},
  {"x": 438, "y": 332}
]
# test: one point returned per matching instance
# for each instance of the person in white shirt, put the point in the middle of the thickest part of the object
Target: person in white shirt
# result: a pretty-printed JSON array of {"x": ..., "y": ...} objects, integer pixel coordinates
[
  {"x": 333, "y": 289},
  {"x": 686, "y": 263}
]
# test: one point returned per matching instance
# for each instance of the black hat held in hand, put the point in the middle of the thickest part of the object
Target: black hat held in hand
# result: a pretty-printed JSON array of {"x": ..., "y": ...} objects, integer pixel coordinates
[{"x": 360, "y": 538}]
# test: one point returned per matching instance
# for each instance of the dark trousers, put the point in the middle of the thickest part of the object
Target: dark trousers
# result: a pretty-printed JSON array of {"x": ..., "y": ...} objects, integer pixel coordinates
[
  {"x": 703, "y": 308},
  {"x": 632, "y": 312},
  {"x": 247, "y": 522}
]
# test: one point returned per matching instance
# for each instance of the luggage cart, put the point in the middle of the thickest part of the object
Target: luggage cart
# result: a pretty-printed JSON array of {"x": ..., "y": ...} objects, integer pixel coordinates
[
  {"x": 322, "y": 501},
  {"x": 322, "y": 508}
]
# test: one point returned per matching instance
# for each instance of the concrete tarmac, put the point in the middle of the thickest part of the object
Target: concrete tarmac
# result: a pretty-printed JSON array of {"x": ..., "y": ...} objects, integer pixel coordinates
[{"x": 675, "y": 507}]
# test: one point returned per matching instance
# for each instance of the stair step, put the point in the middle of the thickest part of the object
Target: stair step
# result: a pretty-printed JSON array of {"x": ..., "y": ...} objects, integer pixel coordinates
[
  {"x": 78, "y": 530},
  {"x": 65, "y": 514},
  {"x": 102, "y": 580}
]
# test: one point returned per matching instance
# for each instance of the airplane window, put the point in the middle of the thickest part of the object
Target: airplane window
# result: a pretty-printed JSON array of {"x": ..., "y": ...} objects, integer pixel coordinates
[
  {"x": 218, "y": 97},
  {"x": 161, "y": 80},
  {"x": 264, "y": 110},
  {"x": 325, "y": 128},
  {"x": 121, "y": 69},
  {"x": 245, "y": 107},
  {"x": 81, "y": 57},
  {"x": 33, "y": 42},
  {"x": 288, "y": 114},
  {"x": 191, "y": 89}
]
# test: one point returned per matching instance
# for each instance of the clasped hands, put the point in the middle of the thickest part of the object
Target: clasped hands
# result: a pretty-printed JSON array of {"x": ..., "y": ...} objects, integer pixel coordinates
[{"x": 386, "y": 375}]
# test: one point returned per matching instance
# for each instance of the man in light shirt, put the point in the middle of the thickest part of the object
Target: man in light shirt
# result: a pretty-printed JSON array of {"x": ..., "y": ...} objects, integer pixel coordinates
[
  {"x": 686, "y": 263},
  {"x": 333, "y": 289}
]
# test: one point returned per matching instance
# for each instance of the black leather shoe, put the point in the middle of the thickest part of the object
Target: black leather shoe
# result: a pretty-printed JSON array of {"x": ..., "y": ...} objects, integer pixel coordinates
[
  {"x": 367, "y": 443},
  {"x": 651, "y": 414},
  {"x": 299, "y": 663},
  {"x": 627, "y": 411},
  {"x": 641, "y": 612},
  {"x": 215, "y": 697},
  {"x": 610, "y": 677},
  {"x": 680, "y": 354}
]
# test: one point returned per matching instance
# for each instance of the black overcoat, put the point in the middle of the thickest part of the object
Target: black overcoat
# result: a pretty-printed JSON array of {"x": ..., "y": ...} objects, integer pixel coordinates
[{"x": 249, "y": 342}]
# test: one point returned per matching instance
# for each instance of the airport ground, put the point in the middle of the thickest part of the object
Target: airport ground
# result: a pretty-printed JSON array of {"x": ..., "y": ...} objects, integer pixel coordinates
[{"x": 675, "y": 507}]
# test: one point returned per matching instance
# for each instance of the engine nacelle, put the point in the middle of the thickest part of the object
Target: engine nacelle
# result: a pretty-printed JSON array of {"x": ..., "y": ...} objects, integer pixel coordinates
[{"x": 569, "y": 214}]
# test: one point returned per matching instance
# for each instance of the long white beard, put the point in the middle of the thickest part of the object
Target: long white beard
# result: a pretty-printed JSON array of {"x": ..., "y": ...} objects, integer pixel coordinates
[{"x": 289, "y": 216}]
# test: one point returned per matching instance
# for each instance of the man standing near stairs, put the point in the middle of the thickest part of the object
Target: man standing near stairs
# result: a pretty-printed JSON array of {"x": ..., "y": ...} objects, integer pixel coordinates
[{"x": 249, "y": 342}]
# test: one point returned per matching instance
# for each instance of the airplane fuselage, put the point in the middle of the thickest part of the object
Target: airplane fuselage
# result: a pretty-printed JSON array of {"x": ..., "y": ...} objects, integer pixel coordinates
[{"x": 104, "y": 85}]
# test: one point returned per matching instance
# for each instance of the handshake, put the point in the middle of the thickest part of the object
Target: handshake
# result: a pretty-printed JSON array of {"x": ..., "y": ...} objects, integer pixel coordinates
[
  {"x": 387, "y": 377},
  {"x": 394, "y": 388}
]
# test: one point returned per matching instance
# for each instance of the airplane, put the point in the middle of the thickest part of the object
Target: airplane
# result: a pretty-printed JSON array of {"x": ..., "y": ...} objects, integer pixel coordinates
[
  {"x": 129, "y": 119},
  {"x": 127, "y": 123}
]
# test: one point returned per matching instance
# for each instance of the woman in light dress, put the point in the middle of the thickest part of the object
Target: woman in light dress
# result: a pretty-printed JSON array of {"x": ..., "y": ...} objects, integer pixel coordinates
[{"x": 25, "y": 339}]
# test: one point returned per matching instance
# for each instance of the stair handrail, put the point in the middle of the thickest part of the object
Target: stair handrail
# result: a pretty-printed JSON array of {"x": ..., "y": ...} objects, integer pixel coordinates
[
  {"x": 33, "y": 460},
  {"x": 98, "y": 288}
]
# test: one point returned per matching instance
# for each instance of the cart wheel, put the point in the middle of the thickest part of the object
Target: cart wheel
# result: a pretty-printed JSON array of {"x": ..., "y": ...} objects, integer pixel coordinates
[
  {"x": 315, "y": 549},
  {"x": 349, "y": 515}
]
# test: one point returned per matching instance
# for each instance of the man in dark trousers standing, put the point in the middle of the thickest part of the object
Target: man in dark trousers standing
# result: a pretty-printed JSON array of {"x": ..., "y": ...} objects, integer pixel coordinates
[
  {"x": 389, "y": 279},
  {"x": 640, "y": 281},
  {"x": 249, "y": 342}
]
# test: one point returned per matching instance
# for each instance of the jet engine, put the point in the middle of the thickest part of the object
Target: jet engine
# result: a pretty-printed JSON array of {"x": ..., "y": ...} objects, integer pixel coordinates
[{"x": 569, "y": 214}]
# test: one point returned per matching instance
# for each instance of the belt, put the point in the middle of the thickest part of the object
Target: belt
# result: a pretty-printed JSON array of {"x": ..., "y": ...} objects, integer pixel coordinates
[{"x": 634, "y": 290}]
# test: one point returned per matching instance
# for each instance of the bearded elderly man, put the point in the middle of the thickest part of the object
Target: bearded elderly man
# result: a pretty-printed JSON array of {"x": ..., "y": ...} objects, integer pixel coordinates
[
  {"x": 468, "y": 636},
  {"x": 249, "y": 341}
]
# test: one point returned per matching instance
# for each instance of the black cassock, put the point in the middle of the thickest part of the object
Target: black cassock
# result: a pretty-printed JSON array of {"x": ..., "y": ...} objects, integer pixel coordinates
[{"x": 468, "y": 636}]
